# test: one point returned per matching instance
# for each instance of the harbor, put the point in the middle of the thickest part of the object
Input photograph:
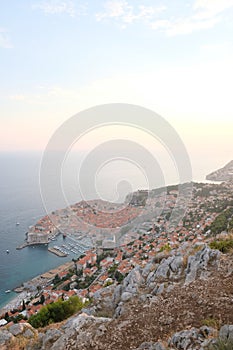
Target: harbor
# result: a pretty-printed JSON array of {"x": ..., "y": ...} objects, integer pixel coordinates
[{"x": 72, "y": 246}]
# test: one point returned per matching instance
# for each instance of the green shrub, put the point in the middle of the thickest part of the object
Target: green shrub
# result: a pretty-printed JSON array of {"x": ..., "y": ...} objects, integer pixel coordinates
[
  {"x": 211, "y": 322},
  {"x": 165, "y": 247},
  {"x": 224, "y": 245},
  {"x": 56, "y": 312}
]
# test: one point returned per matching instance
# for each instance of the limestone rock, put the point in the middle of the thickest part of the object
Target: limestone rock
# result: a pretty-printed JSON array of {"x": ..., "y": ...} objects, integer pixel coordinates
[
  {"x": 50, "y": 337},
  {"x": 126, "y": 296},
  {"x": 187, "y": 339},
  {"x": 151, "y": 346},
  {"x": 5, "y": 338},
  {"x": 17, "y": 329},
  {"x": 226, "y": 333},
  {"x": 28, "y": 334},
  {"x": 198, "y": 264},
  {"x": 148, "y": 268},
  {"x": 133, "y": 281},
  {"x": 117, "y": 294}
]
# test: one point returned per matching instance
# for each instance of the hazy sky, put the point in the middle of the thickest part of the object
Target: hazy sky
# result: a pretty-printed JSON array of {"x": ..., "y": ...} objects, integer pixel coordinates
[{"x": 58, "y": 57}]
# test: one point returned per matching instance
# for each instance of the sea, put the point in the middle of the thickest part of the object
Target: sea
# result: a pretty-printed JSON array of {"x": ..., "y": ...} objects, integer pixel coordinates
[{"x": 21, "y": 206}]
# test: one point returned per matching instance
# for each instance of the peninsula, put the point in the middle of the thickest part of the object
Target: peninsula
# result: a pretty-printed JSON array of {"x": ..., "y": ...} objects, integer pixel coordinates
[
  {"x": 167, "y": 280},
  {"x": 223, "y": 174}
]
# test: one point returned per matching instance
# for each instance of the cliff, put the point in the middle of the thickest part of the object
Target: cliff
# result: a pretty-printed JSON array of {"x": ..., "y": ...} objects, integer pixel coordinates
[{"x": 223, "y": 174}]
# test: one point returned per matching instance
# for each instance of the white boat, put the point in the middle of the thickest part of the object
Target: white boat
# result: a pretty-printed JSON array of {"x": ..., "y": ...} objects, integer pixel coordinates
[
  {"x": 7, "y": 291},
  {"x": 17, "y": 223},
  {"x": 7, "y": 251}
]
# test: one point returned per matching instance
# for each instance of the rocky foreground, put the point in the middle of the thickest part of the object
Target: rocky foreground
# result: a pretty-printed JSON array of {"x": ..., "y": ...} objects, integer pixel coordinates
[{"x": 182, "y": 299}]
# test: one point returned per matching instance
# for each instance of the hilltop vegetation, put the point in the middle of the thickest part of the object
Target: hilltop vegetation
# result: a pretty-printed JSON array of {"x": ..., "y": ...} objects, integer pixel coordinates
[
  {"x": 223, "y": 222},
  {"x": 56, "y": 312}
]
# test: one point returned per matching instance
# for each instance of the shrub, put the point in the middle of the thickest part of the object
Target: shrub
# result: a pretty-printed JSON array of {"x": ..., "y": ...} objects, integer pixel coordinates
[
  {"x": 221, "y": 345},
  {"x": 165, "y": 247},
  {"x": 212, "y": 322},
  {"x": 56, "y": 312},
  {"x": 108, "y": 283},
  {"x": 223, "y": 245}
]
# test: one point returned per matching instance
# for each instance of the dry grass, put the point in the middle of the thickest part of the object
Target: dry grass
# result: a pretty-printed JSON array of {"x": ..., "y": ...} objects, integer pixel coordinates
[{"x": 212, "y": 322}]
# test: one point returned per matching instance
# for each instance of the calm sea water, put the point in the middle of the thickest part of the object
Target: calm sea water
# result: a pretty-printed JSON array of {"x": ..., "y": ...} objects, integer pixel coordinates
[{"x": 20, "y": 201}]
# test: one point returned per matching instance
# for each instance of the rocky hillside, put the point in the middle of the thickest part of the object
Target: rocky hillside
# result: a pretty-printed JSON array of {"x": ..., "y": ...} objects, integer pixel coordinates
[
  {"x": 182, "y": 299},
  {"x": 223, "y": 174}
]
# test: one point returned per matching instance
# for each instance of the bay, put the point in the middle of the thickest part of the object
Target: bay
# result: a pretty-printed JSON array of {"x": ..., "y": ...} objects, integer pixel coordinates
[{"x": 20, "y": 202}]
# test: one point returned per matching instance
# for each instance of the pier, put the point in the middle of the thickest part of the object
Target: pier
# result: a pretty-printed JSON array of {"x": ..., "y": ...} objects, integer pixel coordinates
[
  {"x": 57, "y": 252},
  {"x": 22, "y": 246}
]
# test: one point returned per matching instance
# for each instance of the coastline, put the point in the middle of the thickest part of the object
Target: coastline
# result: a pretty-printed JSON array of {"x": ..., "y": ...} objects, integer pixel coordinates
[
  {"x": 30, "y": 286},
  {"x": 43, "y": 279},
  {"x": 14, "y": 302}
]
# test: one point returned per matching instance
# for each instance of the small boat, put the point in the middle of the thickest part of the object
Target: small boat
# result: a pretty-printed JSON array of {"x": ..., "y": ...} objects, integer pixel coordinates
[
  {"x": 7, "y": 251},
  {"x": 7, "y": 291},
  {"x": 17, "y": 224}
]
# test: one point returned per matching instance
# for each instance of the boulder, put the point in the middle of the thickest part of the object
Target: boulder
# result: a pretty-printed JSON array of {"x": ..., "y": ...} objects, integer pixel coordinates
[
  {"x": 126, "y": 296},
  {"x": 119, "y": 310},
  {"x": 198, "y": 264},
  {"x": 159, "y": 288},
  {"x": 5, "y": 338},
  {"x": 17, "y": 329},
  {"x": 151, "y": 346},
  {"x": 163, "y": 270},
  {"x": 78, "y": 330},
  {"x": 133, "y": 281},
  {"x": 50, "y": 337},
  {"x": 77, "y": 322},
  {"x": 187, "y": 340},
  {"x": 226, "y": 333},
  {"x": 148, "y": 268},
  {"x": 117, "y": 294},
  {"x": 176, "y": 264},
  {"x": 28, "y": 334}
]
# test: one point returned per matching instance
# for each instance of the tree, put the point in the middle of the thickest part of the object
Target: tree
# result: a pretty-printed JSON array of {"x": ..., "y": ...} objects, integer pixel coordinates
[
  {"x": 118, "y": 276},
  {"x": 42, "y": 299},
  {"x": 23, "y": 307},
  {"x": 56, "y": 312}
]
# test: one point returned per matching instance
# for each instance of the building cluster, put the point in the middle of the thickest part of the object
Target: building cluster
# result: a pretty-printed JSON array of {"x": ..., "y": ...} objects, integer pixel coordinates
[{"x": 99, "y": 267}]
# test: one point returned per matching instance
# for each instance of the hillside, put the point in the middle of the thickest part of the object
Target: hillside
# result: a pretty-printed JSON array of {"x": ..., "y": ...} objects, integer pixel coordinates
[
  {"x": 179, "y": 300},
  {"x": 223, "y": 174},
  {"x": 172, "y": 288}
]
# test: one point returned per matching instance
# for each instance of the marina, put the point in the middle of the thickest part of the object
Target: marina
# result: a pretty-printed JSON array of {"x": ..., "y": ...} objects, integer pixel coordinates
[{"x": 71, "y": 246}]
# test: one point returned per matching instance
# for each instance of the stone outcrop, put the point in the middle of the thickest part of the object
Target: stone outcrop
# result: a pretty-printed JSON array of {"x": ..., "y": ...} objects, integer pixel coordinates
[
  {"x": 161, "y": 306},
  {"x": 192, "y": 339},
  {"x": 199, "y": 264},
  {"x": 226, "y": 333},
  {"x": 151, "y": 346},
  {"x": 9, "y": 337}
]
